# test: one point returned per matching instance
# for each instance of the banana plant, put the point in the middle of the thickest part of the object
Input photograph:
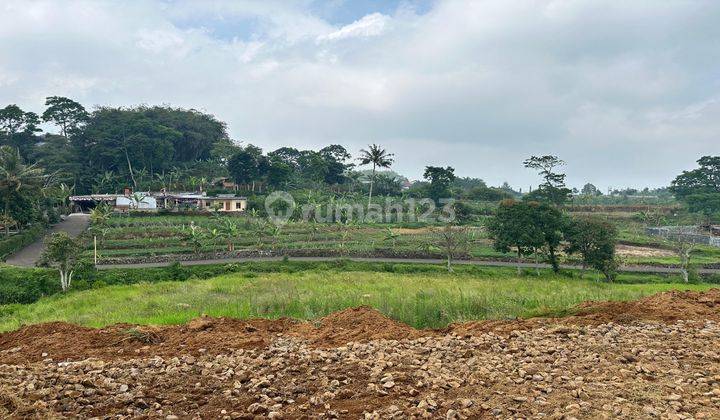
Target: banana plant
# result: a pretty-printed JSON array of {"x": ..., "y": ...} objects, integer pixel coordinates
[
  {"x": 391, "y": 236},
  {"x": 229, "y": 230}
]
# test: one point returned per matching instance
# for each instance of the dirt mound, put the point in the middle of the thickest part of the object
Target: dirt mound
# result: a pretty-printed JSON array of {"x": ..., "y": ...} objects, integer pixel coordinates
[
  {"x": 358, "y": 324},
  {"x": 666, "y": 306},
  {"x": 61, "y": 341}
]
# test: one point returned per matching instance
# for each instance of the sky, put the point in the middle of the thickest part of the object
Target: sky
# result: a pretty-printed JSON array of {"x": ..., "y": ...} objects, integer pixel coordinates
[{"x": 626, "y": 92}]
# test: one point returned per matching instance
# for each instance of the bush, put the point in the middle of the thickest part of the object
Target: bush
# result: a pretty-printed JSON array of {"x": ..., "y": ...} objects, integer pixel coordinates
[
  {"x": 17, "y": 242},
  {"x": 27, "y": 285}
]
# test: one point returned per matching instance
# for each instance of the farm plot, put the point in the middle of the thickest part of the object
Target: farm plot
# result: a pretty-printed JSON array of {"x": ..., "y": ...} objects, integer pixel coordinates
[
  {"x": 128, "y": 239},
  {"x": 194, "y": 237}
]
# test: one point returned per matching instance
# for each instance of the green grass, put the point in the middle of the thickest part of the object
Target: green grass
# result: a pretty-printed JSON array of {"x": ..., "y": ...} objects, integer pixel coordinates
[{"x": 418, "y": 299}]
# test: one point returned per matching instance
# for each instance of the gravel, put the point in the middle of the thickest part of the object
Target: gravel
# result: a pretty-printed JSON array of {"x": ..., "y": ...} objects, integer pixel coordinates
[{"x": 643, "y": 369}]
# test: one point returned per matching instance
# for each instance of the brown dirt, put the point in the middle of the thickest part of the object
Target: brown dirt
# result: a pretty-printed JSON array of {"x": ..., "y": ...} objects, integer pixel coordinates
[
  {"x": 642, "y": 251},
  {"x": 63, "y": 341},
  {"x": 627, "y": 359},
  {"x": 667, "y": 307}
]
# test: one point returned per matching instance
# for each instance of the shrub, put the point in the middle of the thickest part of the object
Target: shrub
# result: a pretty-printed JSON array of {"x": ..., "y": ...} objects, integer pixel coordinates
[{"x": 17, "y": 242}]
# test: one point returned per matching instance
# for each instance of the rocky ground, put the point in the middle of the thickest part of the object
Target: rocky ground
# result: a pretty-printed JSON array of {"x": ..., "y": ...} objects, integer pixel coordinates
[{"x": 657, "y": 357}]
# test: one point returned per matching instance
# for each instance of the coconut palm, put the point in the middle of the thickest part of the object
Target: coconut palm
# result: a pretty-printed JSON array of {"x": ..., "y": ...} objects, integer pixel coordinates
[
  {"x": 379, "y": 158},
  {"x": 16, "y": 176}
]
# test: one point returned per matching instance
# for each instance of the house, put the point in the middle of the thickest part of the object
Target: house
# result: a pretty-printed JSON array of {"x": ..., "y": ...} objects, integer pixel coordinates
[
  {"x": 119, "y": 202},
  {"x": 151, "y": 201},
  {"x": 225, "y": 183},
  {"x": 221, "y": 202}
]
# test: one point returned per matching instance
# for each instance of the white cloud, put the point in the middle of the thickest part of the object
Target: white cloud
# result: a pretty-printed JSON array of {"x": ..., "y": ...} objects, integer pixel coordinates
[
  {"x": 370, "y": 25},
  {"x": 628, "y": 95}
]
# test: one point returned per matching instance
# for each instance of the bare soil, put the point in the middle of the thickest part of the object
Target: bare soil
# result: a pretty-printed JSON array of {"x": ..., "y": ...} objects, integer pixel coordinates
[
  {"x": 642, "y": 251},
  {"x": 655, "y": 357}
]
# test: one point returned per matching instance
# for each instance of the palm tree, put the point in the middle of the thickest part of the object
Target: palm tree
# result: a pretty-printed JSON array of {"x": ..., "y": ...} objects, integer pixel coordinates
[
  {"x": 379, "y": 158},
  {"x": 16, "y": 176}
]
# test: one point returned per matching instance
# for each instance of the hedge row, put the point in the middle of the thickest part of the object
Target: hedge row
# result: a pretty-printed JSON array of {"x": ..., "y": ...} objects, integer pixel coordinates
[{"x": 16, "y": 242}]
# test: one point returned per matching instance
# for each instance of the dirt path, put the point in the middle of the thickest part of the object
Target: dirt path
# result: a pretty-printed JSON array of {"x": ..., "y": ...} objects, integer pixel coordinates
[
  {"x": 490, "y": 263},
  {"x": 656, "y": 357},
  {"x": 74, "y": 224}
]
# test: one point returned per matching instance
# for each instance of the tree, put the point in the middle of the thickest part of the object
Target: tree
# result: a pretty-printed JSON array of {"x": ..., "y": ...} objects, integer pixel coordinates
[
  {"x": 682, "y": 240},
  {"x": 65, "y": 113},
  {"x": 62, "y": 252},
  {"x": 553, "y": 188},
  {"x": 514, "y": 227},
  {"x": 549, "y": 220},
  {"x": 440, "y": 181},
  {"x": 595, "y": 240},
  {"x": 379, "y": 158},
  {"x": 278, "y": 172},
  {"x": 387, "y": 184},
  {"x": 335, "y": 156},
  {"x": 16, "y": 179},
  {"x": 18, "y": 128},
  {"x": 700, "y": 187},
  {"x": 453, "y": 240},
  {"x": 243, "y": 167},
  {"x": 590, "y": 189}
]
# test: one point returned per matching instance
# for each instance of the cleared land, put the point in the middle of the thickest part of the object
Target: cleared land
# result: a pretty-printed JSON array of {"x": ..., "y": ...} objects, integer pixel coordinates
[{"x": 616, "y": 359}]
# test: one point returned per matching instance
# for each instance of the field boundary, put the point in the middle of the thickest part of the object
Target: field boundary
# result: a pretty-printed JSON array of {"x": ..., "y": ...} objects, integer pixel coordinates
[{"x": 489, "y": 263}]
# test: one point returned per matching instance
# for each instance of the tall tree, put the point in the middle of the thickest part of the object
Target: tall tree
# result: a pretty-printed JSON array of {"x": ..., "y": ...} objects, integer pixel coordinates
[
  {"x": 553, "y": 189},
  {"x": 335, "y": 156},
  {"x": 440, "y": 180},
  {"x": 590, "y": 189},
  {"x": 243, "y": 167},
  {"x": 551, "y": 223},
  {"x": 18, "y": 128},
  {"x": 65, "y": 113},
  {"x": 700, "y": 187},
  {"x": 379, "y": 158},
  {"x": 16, "y": 179}
]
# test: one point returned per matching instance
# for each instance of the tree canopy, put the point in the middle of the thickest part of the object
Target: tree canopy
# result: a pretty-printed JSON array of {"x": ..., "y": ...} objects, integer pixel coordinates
[{"x": 700, "y": 187}]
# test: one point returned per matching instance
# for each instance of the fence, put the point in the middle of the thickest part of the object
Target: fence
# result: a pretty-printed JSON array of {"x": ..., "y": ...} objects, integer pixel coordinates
[{"x": 688, "y": 233}]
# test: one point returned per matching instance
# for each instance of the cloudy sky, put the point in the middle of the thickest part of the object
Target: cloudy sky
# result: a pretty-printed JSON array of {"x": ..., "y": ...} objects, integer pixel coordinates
[{"x": 627, "y": 92}]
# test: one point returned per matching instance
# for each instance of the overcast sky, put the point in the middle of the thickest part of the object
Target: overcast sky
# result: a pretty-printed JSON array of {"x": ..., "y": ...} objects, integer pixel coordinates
[{"x": 627, "y": 92}]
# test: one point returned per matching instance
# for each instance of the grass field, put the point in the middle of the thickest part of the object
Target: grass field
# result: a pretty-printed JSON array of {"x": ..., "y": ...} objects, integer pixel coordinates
[{"x": 418, "y": 299}]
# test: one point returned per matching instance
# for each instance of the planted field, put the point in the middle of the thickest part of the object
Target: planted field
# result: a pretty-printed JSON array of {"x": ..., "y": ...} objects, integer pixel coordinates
[{"x": 153, "y": 238}]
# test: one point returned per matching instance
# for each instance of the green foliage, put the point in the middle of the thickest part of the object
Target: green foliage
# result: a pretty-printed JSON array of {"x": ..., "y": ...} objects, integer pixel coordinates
[
  {"x": 398, "y": 291},
  {"x": 19, "y": 186},
  {"x": 440, "y": 181},
  {"x": 14, "y": 243},
  {"x": 377, "y": 157},
  {"x": 65, "y": 113},
  {"x": 553, "y": 189},
  {"x": 700, "y": 188},
  {"x": 595, "y": 239},
  {"x": 528, "y": 227},
  {"x": 62, "y": 252},
  {"x": 26, "y": 285},
  {"x": 244, "y": 166},
  {"x": 514, "y": 227}
]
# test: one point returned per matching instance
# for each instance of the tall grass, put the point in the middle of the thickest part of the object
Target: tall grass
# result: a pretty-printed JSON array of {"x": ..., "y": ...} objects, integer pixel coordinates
[{"x": 419, "y": 299}]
